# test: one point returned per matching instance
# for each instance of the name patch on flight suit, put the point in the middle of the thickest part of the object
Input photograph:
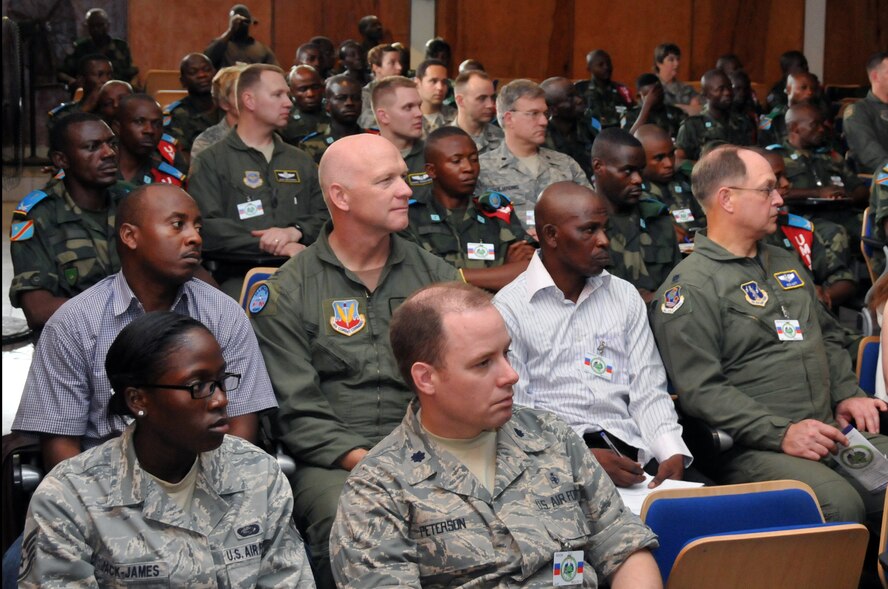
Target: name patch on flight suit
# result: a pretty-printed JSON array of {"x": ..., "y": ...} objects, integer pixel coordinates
[
  {"x": 419, "y": 179},
  {"x": 448, "y": 525},
  {"x": 789, "y": 279},
  {"x": 240, "y": 553},
  {"x": 346, "y": 317},
  {"x": 755, "y": 295},
  {"x": 288, "y": 176}
]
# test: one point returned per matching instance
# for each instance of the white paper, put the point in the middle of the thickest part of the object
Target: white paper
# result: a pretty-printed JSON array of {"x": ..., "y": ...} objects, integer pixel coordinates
[
  {"x": 634, "y": 496},
  {"x": 863, "y": 461}
]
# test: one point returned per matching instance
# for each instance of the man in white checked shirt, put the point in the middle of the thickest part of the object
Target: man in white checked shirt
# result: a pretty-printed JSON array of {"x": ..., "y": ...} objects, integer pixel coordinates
[{"x": 582, "y": 346}]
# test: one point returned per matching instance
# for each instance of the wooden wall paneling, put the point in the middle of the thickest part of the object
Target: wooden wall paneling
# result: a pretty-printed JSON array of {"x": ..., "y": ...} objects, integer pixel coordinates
[
  {"x": 294, "y": 24},
  {"x": 629, "y": 32},
  {"x": 855, "y": 29},
  {"x": 512, "y": 38}
]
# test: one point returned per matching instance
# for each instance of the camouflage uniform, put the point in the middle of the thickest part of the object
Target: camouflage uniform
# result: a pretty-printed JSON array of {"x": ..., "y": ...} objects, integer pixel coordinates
[
  {"x": 300, "y": 124},
  {"x": 697, "y": 131},
  {"x": 721, "y": 324},
  {"x": 56, "y": 247},
  {"x": 99, "y": 519},
  {"x": 454, "y": 235},
  {"x": 502, "y": 172},
  {"x": 686, "y": 211},
  {"x": 367, "y": 119},
  {"x": 605, "y": 104},
  {"x": 315, "y": 144},
  {"x": 772, "y": 126},
  {"x": 490, "y": 138},
  {"x": 410, "y": 515},
  {"x": 185, "y": 122},
  {"x": 165, "y": 165},
  {"x": 117, "y": 52},
  {"x": 444, "y": 118},
  {"x": 577, "y": 144},
  {"x": 643, "y": 246},
  {"x": 214, "y": 134},
  {"x": 822, "y": 247},
  {"x": 669, "y": 118},
  {"x": 676, "y": 92},
  {"x": 325, "y": 342},
  {"x": 865, "y": 124},
  {"x": 879, "y": 212}
]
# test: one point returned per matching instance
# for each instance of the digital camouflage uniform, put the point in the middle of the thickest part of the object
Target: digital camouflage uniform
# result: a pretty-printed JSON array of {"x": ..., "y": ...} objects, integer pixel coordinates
[
  {"x": 879, "y": 212},
  {"x": 165, "y": 165},
  {"x": 605, "y": 104},
  {"x": 723, "y": 324},
  {"x": 411, "y": 515},
  {"x": 185, "y": 122},
  {"x": 325, "y": 342},
  {"x": 577, "y": 144},
  {"x": 212, "y": 135},
  {"x": 489, "y": 139},
  {"x": 677, "y": 196},
  {"x": 444, "y": 118},
  {"x": 478, "y": 236},
  {"x": 99, "y": 519},
  {"x": 643, "y": 246},
  {"x": 865, "y": 124},
  {"x": 300, "y": 124},
  {"x": 56, "y": 247},
  {"x": 697, "y": 131},
  {"x": 117, "y": 52},
  {"x": 669, "y": 118},
  {"x": 676, "y": 92},
  {"x": 502, "y": 172}
]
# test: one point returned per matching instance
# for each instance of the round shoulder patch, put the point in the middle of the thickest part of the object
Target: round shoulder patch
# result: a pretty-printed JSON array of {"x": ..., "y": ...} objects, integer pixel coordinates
[{"x": 259, "y": 299}]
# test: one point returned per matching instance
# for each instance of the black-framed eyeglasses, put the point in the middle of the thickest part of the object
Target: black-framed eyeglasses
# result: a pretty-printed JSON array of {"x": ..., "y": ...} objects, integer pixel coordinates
[
  {"x": 766, "y": 191},
  {"x": 201, "y": 390}
]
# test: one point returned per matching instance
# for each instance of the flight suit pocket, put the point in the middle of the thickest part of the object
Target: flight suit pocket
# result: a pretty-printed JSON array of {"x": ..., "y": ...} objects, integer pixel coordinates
[{"x": 329, "y": 359}]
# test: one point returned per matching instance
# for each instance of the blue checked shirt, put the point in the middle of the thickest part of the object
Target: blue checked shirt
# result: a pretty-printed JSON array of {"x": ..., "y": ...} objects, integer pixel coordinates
[{"x": 67, "y": 391}]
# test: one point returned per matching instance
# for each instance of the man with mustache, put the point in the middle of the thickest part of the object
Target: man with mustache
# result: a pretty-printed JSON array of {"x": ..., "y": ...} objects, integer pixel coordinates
[{"x": 62, "y": 236}]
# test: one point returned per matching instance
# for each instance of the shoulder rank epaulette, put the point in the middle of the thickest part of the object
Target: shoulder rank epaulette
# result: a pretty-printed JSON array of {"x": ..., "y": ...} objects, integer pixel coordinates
[
  {"x": 309, "y": 136},
  {"x": 775, "y": 147},
  {"x": 412, "y": 202},
  {"x": 29, "y": 201},
  {"x": 56, "y": 110},
  {"x": 796, "y": 221},
  {"x": 172, "y": 106},
  {"x": 172, "y": 171}
]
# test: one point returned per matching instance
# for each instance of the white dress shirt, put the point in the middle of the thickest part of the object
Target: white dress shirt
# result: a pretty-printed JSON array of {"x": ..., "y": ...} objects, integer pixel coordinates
[{"x": 556, "y": 343}]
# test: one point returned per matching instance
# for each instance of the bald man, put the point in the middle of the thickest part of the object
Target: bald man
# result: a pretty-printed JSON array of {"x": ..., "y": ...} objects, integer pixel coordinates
[
  {"x": 322, "y": 323},
  {"x": 307, "y": 115},
  {"x": 800, "y": 87},
  {"x": 751, "y": 351},
  {"x": 582, "y": 346},
  {"x": 187, "y": 118}
]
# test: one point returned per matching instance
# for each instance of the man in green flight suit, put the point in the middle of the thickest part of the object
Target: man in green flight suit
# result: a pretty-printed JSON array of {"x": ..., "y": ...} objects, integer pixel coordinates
[
  {"x": 643, "y": 244},
  {"x": 62, "y": 236},
  {"x": 750, "y": 350},
  {"x": 322, "y": 324},
  {"x": 481, "y": 234}
]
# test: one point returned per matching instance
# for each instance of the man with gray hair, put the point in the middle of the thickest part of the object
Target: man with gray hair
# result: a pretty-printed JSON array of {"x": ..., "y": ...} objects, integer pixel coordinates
[{"x": 520, "y": 168}]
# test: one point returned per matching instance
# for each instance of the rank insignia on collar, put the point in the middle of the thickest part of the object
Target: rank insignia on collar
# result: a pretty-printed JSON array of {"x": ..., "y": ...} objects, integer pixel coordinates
[
  {"x": 672, "y": 300},
  {"x": 789, "y": 279},
  {"x": 346, "y": 319},
  {"x": 252, "y": 179},
  {"x": 754, "y": 294}
]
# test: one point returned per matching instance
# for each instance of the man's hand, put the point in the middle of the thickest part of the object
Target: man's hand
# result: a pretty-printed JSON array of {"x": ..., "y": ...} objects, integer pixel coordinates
[
  {"x": 671, "y": 468},
  {"x": 274, "y": 240},
  {"x": 520, "y": 251},
  {"x": 863, "y": 411},
  {"x": 811, "y": 439},
  {"x": 291, "y": 249},
  {"x": 236, "y": 22},
  {"x": 653, "y": 98},
  {"x": 622, "y": 471},
  {"x": 352, "y": 458}
]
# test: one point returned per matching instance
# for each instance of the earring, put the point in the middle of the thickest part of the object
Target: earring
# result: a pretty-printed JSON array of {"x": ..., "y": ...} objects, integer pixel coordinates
[{"x": 140, "y": 413}]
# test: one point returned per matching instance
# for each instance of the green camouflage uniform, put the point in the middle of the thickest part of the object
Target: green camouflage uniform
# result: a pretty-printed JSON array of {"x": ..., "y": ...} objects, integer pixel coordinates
[
  {"x": 686, "y": 211},
  {"x": 772, "y": 126},
  {"x": 697, "y": 131},
  {"x": 300, "y": 124},
  {"x": 100, "y": 520},
  {"x": 56, "y": 247},
  {"x": 669, "y": 118},
  {"x": 723, "y": 327},
  {"x": 676, "y": 92},
  {"x": 185, "y": 122},
  {"x": 165, "y": 165},
  {"x": 502, "y": 172},
  {"x": 444, "y": 118},
  {"x": 212, "y": 135},
  {"x": 577, "y": 144},
  {"x": 61, "y": 111},
  {"x": 643, "y": 246},
  {"x": 117, "y": 52},
  {"x": 325, "y": 341},
  {"x": 411, "y": 515},
  {"x": 878, "y": 212},
  {"x": 605, "y": 104},
  {"x": 489, "y": 139},
  {"x": 865, "y": 125},
  {"x": 488, "y": 221}
]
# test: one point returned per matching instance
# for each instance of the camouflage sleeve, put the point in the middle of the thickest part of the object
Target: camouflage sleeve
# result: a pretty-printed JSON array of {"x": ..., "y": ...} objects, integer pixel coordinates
[
  {"x": 370, "y": 544},
  {"x": 688, "y": 140},
  {"x": 879, "y": 198},
  {"x": 830, "y": 255},
  {"x": 577, "y": 174},
  {"x": 616, "y": 532},
  {"x": 863, "y": 140},
  {"x": 178, "y": 128},
  {"x": 32, "y": 262},
  {"x": 56, "y": 550}
]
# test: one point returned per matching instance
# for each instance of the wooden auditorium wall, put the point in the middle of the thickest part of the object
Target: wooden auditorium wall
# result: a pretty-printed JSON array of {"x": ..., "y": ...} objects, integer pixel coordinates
[
  {"x": 855, "y": 29},
  {"x": 541, "y": 38},
  {"x": 161, "y": 33}
]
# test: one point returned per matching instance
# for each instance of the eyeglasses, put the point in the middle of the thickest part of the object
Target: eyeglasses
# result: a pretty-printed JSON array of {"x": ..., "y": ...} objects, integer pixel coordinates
[
  {"x": 202, "y": 390},
  {"x": 766, "y": 191},
  {"x": 534, "y": 114}
]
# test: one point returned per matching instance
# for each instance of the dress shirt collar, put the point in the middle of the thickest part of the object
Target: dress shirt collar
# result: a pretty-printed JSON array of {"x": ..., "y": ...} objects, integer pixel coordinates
[
  {"x": 539, "y": 279},
  {"x": 123, "y": 298}
]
